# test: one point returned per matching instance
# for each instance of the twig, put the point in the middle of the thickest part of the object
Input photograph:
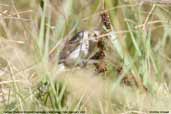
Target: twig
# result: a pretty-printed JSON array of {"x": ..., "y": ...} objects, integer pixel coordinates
[
  {"x": 108, "y": 10},
  {"x": 16, "y": 18},
  {"x": 151, "y": 22},
  {"x": 148, "y": 17},
  {"x": 22, "y": 12}
]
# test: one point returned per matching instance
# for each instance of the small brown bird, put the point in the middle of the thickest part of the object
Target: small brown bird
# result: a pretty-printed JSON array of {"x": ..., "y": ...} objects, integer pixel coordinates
[{"x": 77, "y": 50}]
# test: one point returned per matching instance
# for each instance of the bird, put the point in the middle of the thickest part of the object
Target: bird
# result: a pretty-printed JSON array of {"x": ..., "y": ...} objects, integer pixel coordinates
[{"x": 77, "y": 50}]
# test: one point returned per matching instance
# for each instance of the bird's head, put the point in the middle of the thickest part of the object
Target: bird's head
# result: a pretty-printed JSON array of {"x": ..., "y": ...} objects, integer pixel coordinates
[{"x": 92, "y": 35}]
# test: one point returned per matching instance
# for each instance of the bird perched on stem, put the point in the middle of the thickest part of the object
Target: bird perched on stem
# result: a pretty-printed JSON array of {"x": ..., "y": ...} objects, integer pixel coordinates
[{"x": 79, "y": 48}]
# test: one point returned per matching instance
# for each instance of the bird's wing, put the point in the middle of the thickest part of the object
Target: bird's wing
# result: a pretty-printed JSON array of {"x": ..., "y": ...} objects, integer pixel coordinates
[{"x": 68, "y": 49}]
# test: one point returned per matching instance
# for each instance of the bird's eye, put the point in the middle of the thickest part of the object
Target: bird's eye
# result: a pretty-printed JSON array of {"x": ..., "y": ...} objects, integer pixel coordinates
[{"x": 95, "y": 35}]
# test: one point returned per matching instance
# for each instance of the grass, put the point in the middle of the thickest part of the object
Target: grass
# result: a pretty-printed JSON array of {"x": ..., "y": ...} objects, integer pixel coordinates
[{"x": 31, "y": 38}]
